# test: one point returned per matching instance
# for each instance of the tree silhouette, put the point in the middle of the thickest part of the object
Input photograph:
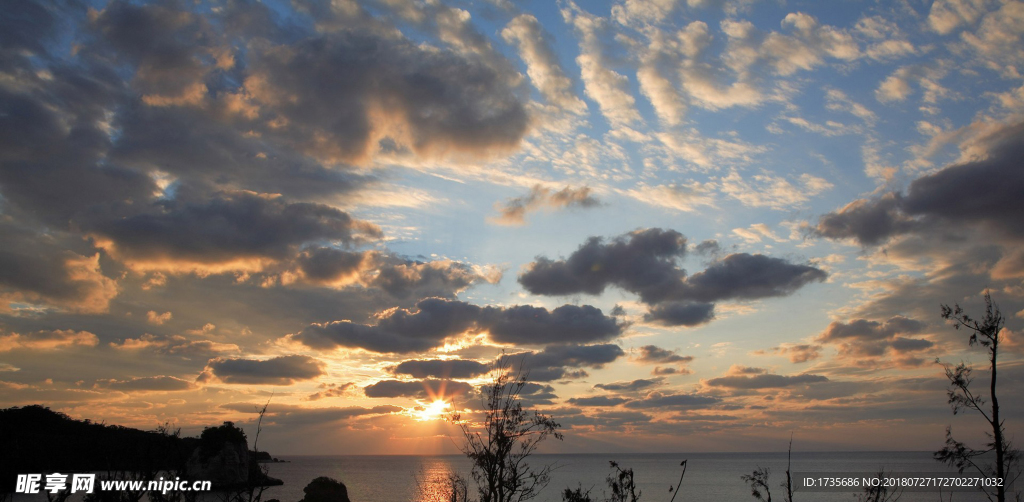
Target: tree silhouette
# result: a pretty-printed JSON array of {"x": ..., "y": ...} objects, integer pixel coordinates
[
  {"x": 986, "y": 333},
  {"x": 510, "y": 435}
]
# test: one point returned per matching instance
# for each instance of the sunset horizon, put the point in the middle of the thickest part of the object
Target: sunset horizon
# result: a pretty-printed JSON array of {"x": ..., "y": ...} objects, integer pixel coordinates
[{"x": 702, "y": 226}]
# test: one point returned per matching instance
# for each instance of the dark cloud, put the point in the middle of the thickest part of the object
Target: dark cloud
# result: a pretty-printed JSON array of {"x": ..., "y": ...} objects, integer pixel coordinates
[
  {"x": 872, "y": 339},
  {"x": 435, "y": 319},
  {"x": 205, "y": 147},
  {"x": 597, "y": 401},
  {"x": 534, "y": 394},
  {"x": 47, "y": 340},
  {"x": 764, "y": 381},
  {"x": 401, "y": 331},
  {"x": 525, "y": 324},
  {"x": 870, "y": 222},
  {"x": 749, "y": 277},
  {"x": 27, "y": 26},
  {"x": 633, "y": 386},
  {"x": 680, "y": 314},
  {"x": 282, "y": 370},
  {"x": 422, "y": 389},
  {"x": 441, "y": 368},
  {"x": 746, "y": 370},
  {"x": 331, "y": 390},
  {"x": 146, "y": 384},
  {"x": 291, "y": 415},
  {"x": 323, "y": 264},
  {"x": 900, "y": 344},
  {"x": 326, "y": 336},
  {"x": 352, "y": 88},
  {"x": 403, "y": 278},
  {"x": 671, "y": 370},
  {"x": 35, "y": 268},
  {"x": 514, "y": 210},
  {"x": 655, "y": 354},
  {"x": 709, "y": 248},
  {"x": 800, "y": 353},
  {"x": 229, "y": 226},
  {"x": 397, "y": 276},
  {"x": 980, "y": 192},
  {"x": 645, "y": 262},
  {"x": 176, "y": 345},
  {"x": 566, "y": 361},
  {"x": 983, "y": 192},
  {"x": 167, "y": 47},
  {"x": 863, "y": 329},
  {"x": 53, "y": 147},
  {"x": 659, "y": 400}
]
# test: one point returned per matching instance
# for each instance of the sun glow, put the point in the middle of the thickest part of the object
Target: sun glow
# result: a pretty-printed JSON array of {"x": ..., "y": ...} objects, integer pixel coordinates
[{"x": 432, "y": 411}]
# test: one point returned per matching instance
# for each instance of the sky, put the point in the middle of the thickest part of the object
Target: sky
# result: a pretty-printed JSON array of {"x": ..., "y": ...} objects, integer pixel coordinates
[{"x": 697, "y": 225}]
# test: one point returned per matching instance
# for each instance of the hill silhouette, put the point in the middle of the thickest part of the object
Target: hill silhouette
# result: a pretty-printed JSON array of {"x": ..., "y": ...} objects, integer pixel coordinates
[{"x": 37, "y": 439}]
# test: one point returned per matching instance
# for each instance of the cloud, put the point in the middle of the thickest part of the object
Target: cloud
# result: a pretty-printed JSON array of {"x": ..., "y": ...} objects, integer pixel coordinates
[
  {"x": 176, "y": 345},
  {"x": 645, "y": 262},
  {"x": 423, "y": 389},
  {"x": 284, "y": 415},
  {"x": 670, "y": 370},
  {"x": 940, "y": 196},
  {"x": 869, "y": 222},
  {"x": 146, "y": 384},
  {"x": 337, "y": 95},
  {"x": 872, "y": 339},
  {"x": 757, "y": 378},
  {"x": 281, "y": 370},
  {"x": 331, "y": 390},
  {"x": 525, "y": 324},
  {"x": 673, "y": 401},
  {"x": 605, "y": 86},
  {"x": 47, "y": 340},
  {"x": 746, "y": 276},
  {"x": 153, "y": 318},
  {"x": 541, "y": 63},
  {"x": 566, "y": 361},
  {"x": 997, "y": 176},
  {"x": 441, "y": 368},
  {"x": 514, "y": 210},
  {"x": 686, "y": 197},
  {"x": 800, "y": 353},
  {"x": 596, "y": 401},
  {"x": 209, "y": 149},
  {"x": 397, "y": 276},
  {"x": 680, "y": 314},
  {"x": 898, "y": 86},
  {"x": 34, "y": 269},
  {"x": 158, "y": 41},
  {"x": 404, "y": 331},
  {"x": 773, "y": 191},
  {"x": 947, "y": 15},
  {"x": 651, "y": 354},
  {"x": 632, "y": 386},
  {"x": 736, "y": 77},
  {"x": 224, "y": 232},
  {"x": 756, "y": 233}
]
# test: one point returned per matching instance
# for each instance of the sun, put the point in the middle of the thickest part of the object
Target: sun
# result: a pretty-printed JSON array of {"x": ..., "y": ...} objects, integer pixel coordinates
[{"x": 432, "y": 411}]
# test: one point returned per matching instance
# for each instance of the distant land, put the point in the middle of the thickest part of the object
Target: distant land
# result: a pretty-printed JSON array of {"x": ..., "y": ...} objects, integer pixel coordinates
[{"x": 37, "y": 439}]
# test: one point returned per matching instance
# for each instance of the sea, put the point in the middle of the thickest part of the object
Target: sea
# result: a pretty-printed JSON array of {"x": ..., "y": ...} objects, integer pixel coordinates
[{"x": 710, "y": 477}]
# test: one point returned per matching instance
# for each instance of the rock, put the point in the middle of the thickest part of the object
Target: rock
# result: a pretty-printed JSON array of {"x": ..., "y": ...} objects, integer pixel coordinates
[
  {"x": 222, "y": 458},
  {"x": 325, "y": 489},
  {"x": 227, "y": 467}
]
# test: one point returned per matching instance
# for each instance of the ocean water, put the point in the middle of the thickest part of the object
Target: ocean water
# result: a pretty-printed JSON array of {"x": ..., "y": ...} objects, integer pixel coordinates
[{"x": 710, "y": 477}]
